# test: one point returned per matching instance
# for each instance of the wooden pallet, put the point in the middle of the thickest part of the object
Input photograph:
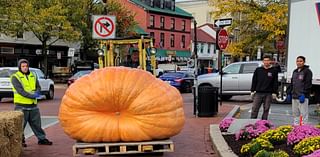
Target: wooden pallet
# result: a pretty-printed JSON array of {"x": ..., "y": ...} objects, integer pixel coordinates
[{"x": 123, "y": 147}]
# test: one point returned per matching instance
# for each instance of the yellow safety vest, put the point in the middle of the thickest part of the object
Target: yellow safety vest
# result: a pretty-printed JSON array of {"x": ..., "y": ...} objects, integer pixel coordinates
[{"x": 29, "y": 85}]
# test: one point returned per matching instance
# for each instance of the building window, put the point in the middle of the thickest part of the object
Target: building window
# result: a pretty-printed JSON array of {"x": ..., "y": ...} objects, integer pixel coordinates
[
  {"x": 183, "y": 25},
  {"x": 172, "y": 40},
  {"x": 161, "y": 40},
  {"x": 20, "y": 35},
  {"x": 151, "y": 34},
  {"x": 161, "y": 4},
  {"x": 209, "y": 18},
  {"x": 152, "y": 37},
  {"x": 202, "y": 48},
  {"x": 183, "y": 41},
  {"x": 162, "y": 22},
  {"x": 151, "y": 21},
  {"x": 151, "y": 3},
  {"x": 172, "y": 24},
  {"x": 209, "y": 46},
  {"x": 172, "y": 5}
]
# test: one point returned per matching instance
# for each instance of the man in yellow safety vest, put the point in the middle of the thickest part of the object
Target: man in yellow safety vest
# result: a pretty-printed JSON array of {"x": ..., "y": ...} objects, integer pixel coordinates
[{"x": 26, "y": 90}]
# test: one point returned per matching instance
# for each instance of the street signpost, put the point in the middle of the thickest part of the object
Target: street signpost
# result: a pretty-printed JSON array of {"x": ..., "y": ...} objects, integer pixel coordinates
[
  {"x": 104, "y": 27},
  {"x": 71, "y": 52},
  {"x": 223, "y": 39},
  {"x": 223, "y": 22}
]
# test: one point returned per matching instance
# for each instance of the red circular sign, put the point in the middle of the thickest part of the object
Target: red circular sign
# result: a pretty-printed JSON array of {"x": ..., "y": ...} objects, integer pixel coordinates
[
  {"x": 104, "y": 26},
  {"x": 280, "y": 44},
  {"x": 223, "y": 39}
]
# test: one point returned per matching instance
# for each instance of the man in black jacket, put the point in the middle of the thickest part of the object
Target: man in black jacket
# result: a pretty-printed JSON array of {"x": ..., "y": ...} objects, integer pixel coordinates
[
  {"x": 264, "y": 83},
  {"x": 300, "y": 88}
]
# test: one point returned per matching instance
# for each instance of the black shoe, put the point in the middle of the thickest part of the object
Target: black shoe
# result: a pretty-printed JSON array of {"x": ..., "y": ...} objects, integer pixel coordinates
[
  {"x": 44, "y": 142},
  {"x": 24, "y": 145}
]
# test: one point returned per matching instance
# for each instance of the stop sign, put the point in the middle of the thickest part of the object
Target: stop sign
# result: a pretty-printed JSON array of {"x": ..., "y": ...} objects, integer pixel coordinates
[{"x": 223, "y": 39}]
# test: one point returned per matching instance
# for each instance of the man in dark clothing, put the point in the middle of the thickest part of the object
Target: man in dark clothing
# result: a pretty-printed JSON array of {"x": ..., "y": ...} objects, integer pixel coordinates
[
  {"x": 264, "y": 83},
  {"x": 300, "y": 88},
  {"x": 26, "y": 90}
]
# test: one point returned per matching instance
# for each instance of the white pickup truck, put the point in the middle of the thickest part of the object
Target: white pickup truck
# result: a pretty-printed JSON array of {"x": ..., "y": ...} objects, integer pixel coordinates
[{"x": 236, "y": 79}]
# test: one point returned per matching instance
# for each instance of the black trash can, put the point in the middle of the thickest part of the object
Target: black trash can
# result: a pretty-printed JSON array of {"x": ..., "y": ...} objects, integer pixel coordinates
[{"x": 207, "y": 101}]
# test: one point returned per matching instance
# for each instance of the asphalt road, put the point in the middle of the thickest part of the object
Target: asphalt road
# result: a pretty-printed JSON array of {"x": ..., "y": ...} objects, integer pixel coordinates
[{"x": 279, "y": 114}]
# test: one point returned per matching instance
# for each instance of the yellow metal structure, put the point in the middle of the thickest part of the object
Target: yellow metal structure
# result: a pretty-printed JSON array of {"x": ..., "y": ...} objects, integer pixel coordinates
[
  {"x": 89, "y": 151},
  {"x": 107, "y": 59}
]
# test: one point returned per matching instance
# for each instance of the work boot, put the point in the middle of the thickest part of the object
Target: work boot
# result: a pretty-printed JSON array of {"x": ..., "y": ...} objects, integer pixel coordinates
[
  {"x": 24, "y": 143},
  {"x": 44, "y": 142}
]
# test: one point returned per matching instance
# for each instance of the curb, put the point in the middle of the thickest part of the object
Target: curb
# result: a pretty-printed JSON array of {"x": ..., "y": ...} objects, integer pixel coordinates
[
  {"x": 219, "y": 145},
  {"x": 234, "y": 111}
]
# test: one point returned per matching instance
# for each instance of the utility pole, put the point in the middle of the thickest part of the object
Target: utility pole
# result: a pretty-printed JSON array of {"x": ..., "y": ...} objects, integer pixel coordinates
[
  {"x": 219, "y": 51},
  {"x": 195, "y": 51}
]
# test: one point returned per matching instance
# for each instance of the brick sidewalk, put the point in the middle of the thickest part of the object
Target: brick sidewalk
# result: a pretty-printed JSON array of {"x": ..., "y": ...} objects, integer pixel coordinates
[{"x": 193, "y": 140}]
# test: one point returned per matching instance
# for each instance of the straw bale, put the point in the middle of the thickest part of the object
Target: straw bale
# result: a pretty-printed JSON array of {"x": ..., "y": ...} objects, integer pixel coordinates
[{"x": 11, "y": 133}]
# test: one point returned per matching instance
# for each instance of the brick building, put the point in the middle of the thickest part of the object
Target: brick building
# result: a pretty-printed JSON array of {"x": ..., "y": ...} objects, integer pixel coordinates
[{"x": 169, "y": 25}]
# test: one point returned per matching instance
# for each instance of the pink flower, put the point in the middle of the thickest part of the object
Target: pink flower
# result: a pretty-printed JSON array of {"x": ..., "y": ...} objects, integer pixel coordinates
[
  {"x": 254, "y": 130},
  {"x": 301, "y": 132},
  {"x": 225, "y": 124}
]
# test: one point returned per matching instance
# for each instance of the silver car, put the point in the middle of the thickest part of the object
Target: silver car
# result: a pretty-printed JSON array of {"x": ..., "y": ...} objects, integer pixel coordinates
[
  {"x": 236, "y": 79},
  {"x": 47, "y": 85}
]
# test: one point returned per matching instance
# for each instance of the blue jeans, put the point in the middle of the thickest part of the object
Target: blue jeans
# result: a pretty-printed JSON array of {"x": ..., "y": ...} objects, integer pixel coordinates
[
  {"x": 32, "y": 116},
  {"x": 258, "y": 99}
]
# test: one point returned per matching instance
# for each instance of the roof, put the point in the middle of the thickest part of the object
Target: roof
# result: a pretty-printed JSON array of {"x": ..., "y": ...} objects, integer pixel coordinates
[
  {"x": 203, "y": 36},
  {"x": 178, "y": 11},
  {"x": 208, "y": 24}
]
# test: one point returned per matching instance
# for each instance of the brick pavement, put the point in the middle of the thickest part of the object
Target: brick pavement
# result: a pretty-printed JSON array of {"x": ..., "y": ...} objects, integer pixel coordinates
[{"x": 193, "y": 140}]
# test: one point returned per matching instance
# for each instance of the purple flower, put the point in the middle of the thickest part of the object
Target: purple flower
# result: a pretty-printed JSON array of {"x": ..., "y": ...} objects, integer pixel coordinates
[
  {"x": 254, "y": 130},
  {"x": 314, "y": 154},
  {"x": 225, "y": 124},
  {"x": 301, "y": 132}
]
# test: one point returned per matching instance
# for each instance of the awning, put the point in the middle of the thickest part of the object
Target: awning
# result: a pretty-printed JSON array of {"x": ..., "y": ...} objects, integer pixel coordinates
[
  {"x": 140, "y": 31},
  {"x": 173, "y": 53}
]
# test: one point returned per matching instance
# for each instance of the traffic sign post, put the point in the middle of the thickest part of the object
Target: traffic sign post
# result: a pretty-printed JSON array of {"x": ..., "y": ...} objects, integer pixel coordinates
[
  {"x": 104, "y": 27},
  {"x": 223, "y": 39}
]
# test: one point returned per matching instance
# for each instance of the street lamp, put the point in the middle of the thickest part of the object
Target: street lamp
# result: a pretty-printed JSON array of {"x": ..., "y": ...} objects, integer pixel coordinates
[
  {"x": 117, "y": 51},
  {"x": 153, "y": 52},
  {"x": 100, "y": 58}
]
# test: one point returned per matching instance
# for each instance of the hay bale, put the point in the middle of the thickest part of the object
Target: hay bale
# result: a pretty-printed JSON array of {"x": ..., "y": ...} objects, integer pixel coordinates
[{"x": 11, "y": 133}]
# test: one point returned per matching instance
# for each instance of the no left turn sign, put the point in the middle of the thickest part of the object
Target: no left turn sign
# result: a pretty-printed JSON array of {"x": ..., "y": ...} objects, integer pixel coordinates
[{"x": 103, "y": 27}]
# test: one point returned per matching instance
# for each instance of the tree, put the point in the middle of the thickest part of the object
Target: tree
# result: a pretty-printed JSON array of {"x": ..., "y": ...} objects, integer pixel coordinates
[
  {"x": 83, "y": 11},
  {"x": 53, "y": 20},
  {"x": 255, "y": 23},
  {"x": 47, "y": 20}
]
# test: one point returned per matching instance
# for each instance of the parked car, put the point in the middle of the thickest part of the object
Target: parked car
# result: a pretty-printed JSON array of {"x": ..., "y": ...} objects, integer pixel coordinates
[
  {"x": 46, "y": 84},
  {"x": 182, "y": 80},
  {"x": 236, "y": 79},
  {"x": 77, "y": 75}
]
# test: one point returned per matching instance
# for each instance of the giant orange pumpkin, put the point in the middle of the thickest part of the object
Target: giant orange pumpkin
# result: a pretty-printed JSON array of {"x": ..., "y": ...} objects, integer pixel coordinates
[{"x": 121, "y": 104}]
